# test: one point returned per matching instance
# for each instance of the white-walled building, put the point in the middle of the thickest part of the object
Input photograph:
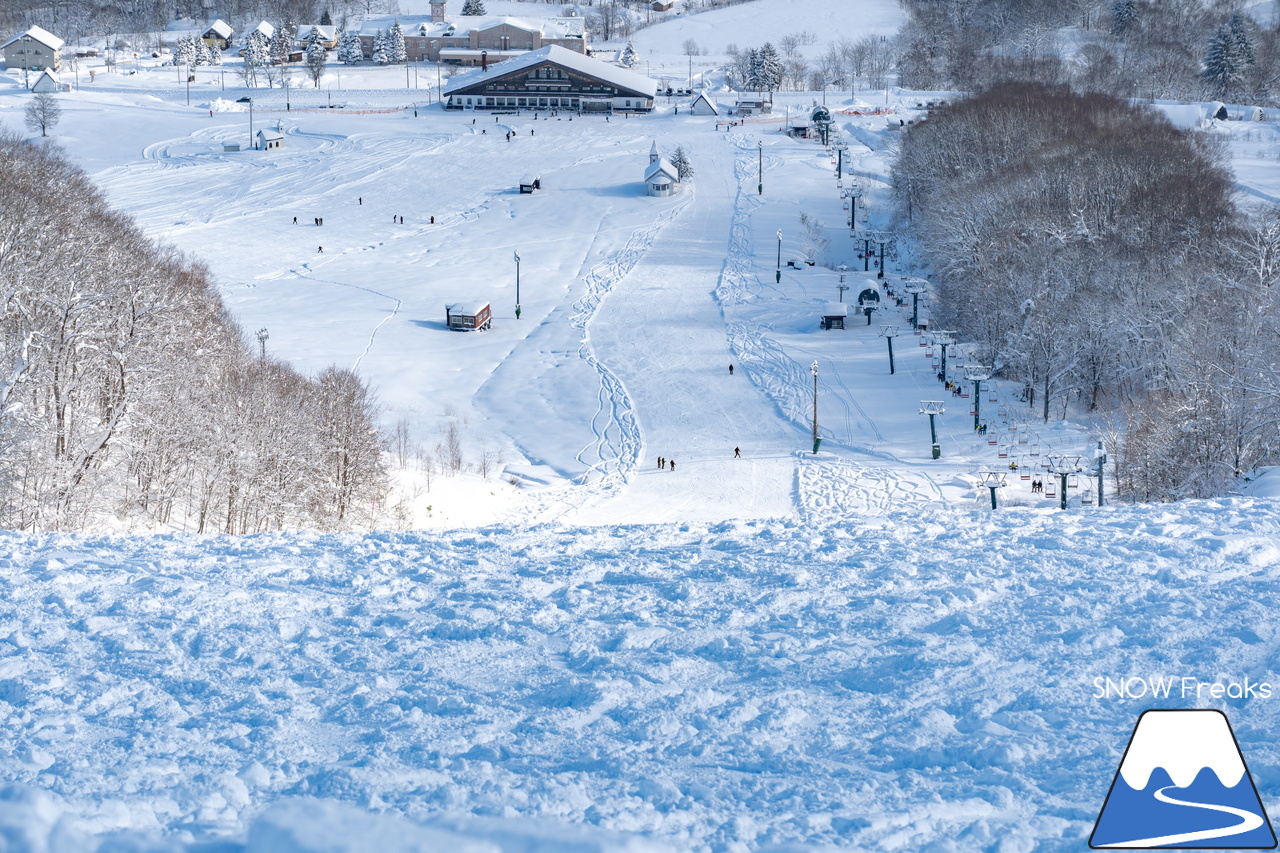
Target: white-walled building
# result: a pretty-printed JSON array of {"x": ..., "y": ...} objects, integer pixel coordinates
[{"x": 551, "y": 78}]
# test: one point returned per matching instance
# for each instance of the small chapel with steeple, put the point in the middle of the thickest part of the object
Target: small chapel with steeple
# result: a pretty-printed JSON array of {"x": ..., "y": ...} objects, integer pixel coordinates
[{"x": 660, "y": 177}]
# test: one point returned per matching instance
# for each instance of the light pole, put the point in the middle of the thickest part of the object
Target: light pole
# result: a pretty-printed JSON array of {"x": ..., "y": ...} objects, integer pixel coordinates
[
  {"x": 933, "y": 408},
  {"x": 250, "y": 100},
  {"x": 188, "y": 84},
  {"x": 262, "y": 341},
  {"x": 517, "y": 254},
  {"x": 777, "y": 276},
  {"x": 889, "y": 333},
  {"x": 817, "y": 442},
  {"x": 1099, "y": 459},
  {"x": 841, "y": 146},
  {"x": 842, "y": 287},
  {"x": 760, "y": 167}
]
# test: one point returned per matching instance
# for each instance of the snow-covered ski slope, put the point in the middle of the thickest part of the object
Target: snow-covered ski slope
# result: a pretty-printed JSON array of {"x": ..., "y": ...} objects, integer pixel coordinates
[
  {"x": 785, "y": 651},
  {"x": 922, "y": 681}
]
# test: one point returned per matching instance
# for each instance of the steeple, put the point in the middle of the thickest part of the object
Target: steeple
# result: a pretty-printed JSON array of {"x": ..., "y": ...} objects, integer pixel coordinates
[
  {"x": 437, "y": 11},
  {"x": 654, "y": 156}
]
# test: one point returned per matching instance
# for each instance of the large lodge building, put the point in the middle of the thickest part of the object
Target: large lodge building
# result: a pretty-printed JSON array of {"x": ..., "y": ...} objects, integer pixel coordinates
[
  {"x": 473, "y": 39},
  {"x": 551, "y": 78}
]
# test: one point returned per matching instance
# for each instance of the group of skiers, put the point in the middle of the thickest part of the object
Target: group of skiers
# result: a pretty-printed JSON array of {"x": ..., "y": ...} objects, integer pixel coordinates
[{"x": 319, "y": 220}]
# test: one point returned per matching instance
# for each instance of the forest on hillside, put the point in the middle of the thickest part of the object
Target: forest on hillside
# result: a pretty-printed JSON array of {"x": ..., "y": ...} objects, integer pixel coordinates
[
  {"x": 1093, "y": 253},
  {"x": 129, "y": 397}
]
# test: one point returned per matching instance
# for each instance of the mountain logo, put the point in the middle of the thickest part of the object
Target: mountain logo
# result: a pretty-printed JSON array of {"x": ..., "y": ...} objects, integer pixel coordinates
[{"x": 1183, "y": 784}]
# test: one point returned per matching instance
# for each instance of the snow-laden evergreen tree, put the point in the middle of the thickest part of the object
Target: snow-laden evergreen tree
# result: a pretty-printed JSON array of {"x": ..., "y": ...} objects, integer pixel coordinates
[
  {"x": 380, "y": 48},
  {"x": 184, "y": 53},
  {"x": 1224, "y": 67},
  {"x": 282, "y": 43},
  {"x": 1242, "y": 31},
  {"x": 1123, "y": 14},
  {"x": 215, "y": 56},
  {"x": 751, "y": 69},
  {"x": 202, "y": 53},
  {"x": 326, "y": 20},
  {"x": 679, "y": 159},
  {"x": 395, "y": 44},
  {"x": 473, "y": 7},
  {"x": 316, "y": 58},
  {"x": 770, "y": 69},
  {"x": 629, "y": 56},
  {"x": 350, "y": 51}
]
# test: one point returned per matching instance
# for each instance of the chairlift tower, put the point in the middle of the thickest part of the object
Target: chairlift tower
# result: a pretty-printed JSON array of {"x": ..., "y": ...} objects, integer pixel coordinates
[
  {"x": 992, "y": 480},
  {"x": 842, "y": 287},
  {"x": 881, "y": 238},
  {"x": 889, "y": 333},
  {"x": 944, "y": 339},
  {"x": 1061, "y": 465},
  {"x": 915, "y": 286},
  {"x": 933, "y": 408},
  {"x": 977, "y": 374}
]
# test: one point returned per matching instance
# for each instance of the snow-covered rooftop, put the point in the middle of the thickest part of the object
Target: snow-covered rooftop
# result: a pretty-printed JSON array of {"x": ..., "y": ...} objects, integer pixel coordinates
[
  {"x": 41, "y": 35},
  {"x": 661, "y": 166},
  {"x": 220, "y": 28},
  {"x": 551, "y": 26},
  {"x": 620, "y": 77}
]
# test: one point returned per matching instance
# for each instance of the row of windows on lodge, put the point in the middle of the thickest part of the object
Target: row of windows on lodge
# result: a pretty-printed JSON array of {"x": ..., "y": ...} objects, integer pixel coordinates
[{"x": 570, "y": 103}]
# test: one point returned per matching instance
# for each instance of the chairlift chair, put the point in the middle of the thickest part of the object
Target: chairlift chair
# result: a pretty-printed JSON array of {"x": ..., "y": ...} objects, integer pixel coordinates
[
  {"x": 1073, "y": 481},
  {"x": 1004, "y": 413},
  {"x": 1004, "y": 452},
  {"x": 929, "y": 352},
  {"x": 1050, "y": 490},
  {"x": 1035, "y": 449},
  {"x": 1087, "y": 497},
  {"x": 992, "y": 397}
]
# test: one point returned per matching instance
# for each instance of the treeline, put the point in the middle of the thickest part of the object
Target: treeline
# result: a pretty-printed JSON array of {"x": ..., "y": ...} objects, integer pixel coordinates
[
  {"x": 1092, "y": 252},
  {"x": 1158, "y": 49},
  {"x": 129, "y": 397}
]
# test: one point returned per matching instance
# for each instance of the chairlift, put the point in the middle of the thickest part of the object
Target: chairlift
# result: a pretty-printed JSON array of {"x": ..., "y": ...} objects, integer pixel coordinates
[
  {"x": 1004, "y": 413},
  {"x": 964, "y": 395},
  {"x": 1021, "y": 439},
  {"x": 937, "y": 366},
  {"x": 992, "y": 397},
  {"x": 1087, "y": 497},
  {"x": 929, "y": 352},
  {"x": 1035, "y": 449},
  {"x": 1025, "y": 475},
  {"x": 1050, "y": 490},
  {"x": 1073, "y": 481},
  {"x": 1004, "y": 452},
  {"x": 992, "y": 441},
  {"x": 973, "y": 411}
]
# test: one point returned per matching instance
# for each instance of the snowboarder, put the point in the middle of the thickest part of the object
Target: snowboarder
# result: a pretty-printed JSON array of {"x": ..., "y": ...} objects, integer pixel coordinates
[
  {"x": 671, "y": 464},
  {"x": 737, "y": 454},
  {"x": 531, "y": 131},
  {"x": 316, "y": 220},
  {"x": 731, "y": 370},
  {"x": 320, "y": 250},
  {"x": 295, "y": 220}
]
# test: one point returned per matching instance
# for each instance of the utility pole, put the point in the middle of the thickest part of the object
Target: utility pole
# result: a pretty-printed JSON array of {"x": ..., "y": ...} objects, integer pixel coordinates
[
  {"x": 760, "y": 167},
  {"x": 933, "y": 408},
  {"x": 1100, "y": 459},
  {"x": 777, "y": 276},
  {"x": 517, "y": 254},
  {"x": 889, "y": 333},
  {"x": 817, "y": 442}
]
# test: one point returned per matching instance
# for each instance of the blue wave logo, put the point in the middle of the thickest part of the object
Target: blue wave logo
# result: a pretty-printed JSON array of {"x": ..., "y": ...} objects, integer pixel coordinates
[{"x": 1183, "y": 783}]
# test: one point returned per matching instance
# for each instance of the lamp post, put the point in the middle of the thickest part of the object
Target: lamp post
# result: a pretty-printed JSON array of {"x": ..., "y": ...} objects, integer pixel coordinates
[
  {"x": 889, "y": 333},
  {"x": 841, "y": 147},
  {"x": 262, "y": 341},
  {"x": 842, "y": 287},
  {"x": 933, "y": 408},
  {"x": 250, "y": 100},
  {"x": 188, "y": 84},
  {"x": 760, "y": 167},
  {"x": 817, "y": 442},
  {"x": 517, "y": 256},
  {"x": 915, "y": 286},
  {"x": 777, "y": 275}
]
